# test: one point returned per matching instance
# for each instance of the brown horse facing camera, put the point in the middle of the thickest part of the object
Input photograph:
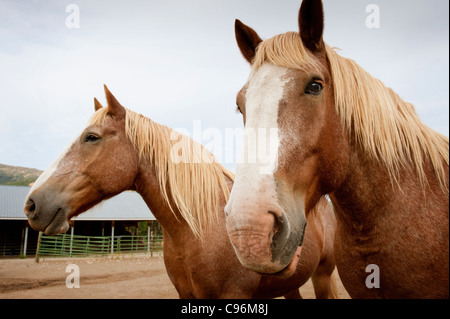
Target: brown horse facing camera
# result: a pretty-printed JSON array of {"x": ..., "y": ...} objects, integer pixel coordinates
[
  {"x": 186, "y": 189},
  {"x": 339, "y": 131}
]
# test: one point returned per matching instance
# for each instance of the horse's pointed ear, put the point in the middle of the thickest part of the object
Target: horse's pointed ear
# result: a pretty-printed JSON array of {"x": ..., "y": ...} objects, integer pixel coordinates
[
  {"x": 114, "y": 107},
  {"x": 310, "y": 22},
  {"x": 97, "y": 105},
  {"x": 247, "y": 40}
]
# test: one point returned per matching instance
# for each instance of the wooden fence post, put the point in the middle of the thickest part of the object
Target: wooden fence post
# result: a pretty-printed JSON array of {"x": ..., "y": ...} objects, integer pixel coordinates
[
  {"x": 36, "y": 258},
  {"x": 112, "y": 237}
]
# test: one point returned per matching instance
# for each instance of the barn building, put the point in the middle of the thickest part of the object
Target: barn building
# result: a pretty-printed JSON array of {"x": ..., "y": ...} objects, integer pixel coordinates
[{"x": 121, "y": 223}]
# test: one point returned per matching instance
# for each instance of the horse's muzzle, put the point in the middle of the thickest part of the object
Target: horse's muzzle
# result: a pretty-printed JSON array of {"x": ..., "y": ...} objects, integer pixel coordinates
[
  {"x": 46, "y": 213},
  {"x": 264, "y": 243}
]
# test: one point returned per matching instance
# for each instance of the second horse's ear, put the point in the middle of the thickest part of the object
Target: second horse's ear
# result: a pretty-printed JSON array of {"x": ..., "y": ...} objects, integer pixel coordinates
[
  {"x": 114, "y": 107},
  {"x": 311, "y": 24},
  {"x": 97, "y": 104},
  {"x": 247, "y": 40}
]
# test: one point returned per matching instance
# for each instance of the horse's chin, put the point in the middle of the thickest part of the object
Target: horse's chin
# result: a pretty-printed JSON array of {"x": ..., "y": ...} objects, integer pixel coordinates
[
  {"x": 290, "y": 269},
  {"x": 55, "y": 229}
]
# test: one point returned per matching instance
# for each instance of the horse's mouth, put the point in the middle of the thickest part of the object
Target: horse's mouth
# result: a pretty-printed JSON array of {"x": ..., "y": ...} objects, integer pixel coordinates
[{"x": 57, "y": 225}]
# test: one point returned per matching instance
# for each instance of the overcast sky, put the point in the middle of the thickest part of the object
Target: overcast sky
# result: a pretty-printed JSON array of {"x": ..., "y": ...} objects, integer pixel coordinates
[{"x": 176, "y": 61}]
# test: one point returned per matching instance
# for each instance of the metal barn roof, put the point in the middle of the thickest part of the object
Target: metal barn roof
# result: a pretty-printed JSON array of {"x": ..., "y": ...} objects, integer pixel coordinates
[{"x": 125, "y": 206}]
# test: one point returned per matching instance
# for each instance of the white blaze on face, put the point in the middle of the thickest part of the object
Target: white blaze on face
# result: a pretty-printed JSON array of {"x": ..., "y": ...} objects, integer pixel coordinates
[
  {"x": 49, "y": 171},
  {"x": 259, "y": 155}
]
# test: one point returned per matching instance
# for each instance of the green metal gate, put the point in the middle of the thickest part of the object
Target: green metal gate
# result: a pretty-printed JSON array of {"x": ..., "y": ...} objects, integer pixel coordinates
[{"x": 66, "y": 245}]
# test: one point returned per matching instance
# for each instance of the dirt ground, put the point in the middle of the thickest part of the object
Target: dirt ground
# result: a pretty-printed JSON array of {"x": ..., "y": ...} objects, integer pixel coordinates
[{"x": 101, "y": 278}]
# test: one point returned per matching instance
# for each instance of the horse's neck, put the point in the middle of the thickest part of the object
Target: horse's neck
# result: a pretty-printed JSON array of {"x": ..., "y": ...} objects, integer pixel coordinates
[
  {"x": 398, "y": 226},
  {"x": 353, "y": 199},
  {"x": 147, "y": 185},
  {"x": 368, "y": 195}
]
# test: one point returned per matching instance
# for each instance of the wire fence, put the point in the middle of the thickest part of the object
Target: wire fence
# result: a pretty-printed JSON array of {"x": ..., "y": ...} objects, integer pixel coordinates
[{"x": 66, "y": 245}]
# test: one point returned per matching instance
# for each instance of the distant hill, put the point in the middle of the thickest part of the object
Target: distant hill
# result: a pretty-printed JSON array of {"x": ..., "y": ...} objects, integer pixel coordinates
[{"x": 20, "y": 176}]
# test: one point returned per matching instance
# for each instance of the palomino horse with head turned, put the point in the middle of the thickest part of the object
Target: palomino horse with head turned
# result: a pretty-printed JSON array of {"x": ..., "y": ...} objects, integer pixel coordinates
[
  {"x": 339, "y": 132},
  {"x": 186, "y": 189}
]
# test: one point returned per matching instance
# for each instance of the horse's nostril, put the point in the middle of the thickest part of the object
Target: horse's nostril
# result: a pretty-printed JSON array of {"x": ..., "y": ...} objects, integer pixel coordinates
[
  {"x": 281, "y": 231},
  {"x": 30, "y": 207},
  {"x": 278, "y": 221}
]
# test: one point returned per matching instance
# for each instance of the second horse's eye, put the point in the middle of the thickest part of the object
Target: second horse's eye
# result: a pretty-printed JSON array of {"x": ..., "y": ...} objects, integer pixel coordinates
[
  {"x": 314, "y": 88},
  {"x": 91, "y": 138}
]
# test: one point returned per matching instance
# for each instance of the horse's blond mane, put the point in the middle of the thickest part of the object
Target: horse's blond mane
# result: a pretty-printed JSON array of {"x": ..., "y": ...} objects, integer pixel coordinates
[
  {"x": 190, "y": 178},
  {"x": 375, "y": 117}
]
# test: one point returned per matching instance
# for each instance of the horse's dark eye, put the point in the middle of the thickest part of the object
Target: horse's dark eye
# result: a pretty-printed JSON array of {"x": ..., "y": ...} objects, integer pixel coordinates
[
  {"x": 91, "y": 138},
  {"x": 314, "y": 88}
]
